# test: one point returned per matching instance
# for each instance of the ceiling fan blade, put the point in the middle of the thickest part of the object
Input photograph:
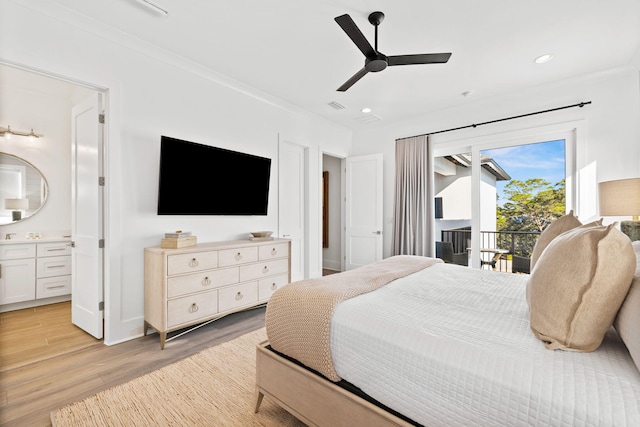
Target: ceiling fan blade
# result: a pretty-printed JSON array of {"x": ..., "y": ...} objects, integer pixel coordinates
[
  {"x": 426, "y": 58},
  {"x": 357, "y": 76},
  {"x": 354, "y": 33}
]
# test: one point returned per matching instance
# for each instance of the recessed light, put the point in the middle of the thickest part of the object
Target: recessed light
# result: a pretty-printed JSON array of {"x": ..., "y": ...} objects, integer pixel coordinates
[
  {"x": 543, "y": 58},
  {"x": 366, "y": 110}
]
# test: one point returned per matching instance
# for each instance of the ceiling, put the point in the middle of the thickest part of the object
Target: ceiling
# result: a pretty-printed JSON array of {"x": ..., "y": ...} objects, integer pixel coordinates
[{"x": 293, "y": 50}]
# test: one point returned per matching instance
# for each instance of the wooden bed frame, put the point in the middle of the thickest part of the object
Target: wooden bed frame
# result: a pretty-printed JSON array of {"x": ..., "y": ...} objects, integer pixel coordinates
[{"x": 312, "y": 398}]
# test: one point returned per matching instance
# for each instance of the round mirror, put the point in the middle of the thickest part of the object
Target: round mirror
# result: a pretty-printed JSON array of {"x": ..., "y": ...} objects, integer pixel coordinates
[{"x": 23, "y": 189}]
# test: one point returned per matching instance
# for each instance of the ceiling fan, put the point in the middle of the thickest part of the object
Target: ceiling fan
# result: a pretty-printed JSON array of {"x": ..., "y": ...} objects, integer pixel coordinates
[{"x": 374, "y": 60}]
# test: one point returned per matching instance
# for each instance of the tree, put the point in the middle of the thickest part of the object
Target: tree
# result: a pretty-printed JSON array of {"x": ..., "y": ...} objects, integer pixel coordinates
[{"x": 532, "y": 205}]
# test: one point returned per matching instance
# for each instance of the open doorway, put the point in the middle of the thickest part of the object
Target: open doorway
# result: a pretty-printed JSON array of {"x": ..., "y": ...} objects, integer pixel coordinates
[
  {"x": 44, "y": 103},
  {"x": 332, "y": 214}
]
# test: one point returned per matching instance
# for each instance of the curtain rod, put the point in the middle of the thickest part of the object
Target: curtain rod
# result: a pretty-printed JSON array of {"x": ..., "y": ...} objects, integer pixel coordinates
[{"x": 581, "y": 104}]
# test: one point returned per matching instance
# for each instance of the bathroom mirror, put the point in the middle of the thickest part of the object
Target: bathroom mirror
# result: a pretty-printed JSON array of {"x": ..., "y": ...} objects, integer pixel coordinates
[{"x": 23, "y": 189}]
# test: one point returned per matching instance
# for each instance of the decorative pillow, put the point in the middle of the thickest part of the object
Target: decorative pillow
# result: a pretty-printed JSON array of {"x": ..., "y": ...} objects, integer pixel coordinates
[
  {"x": 627, "y": 322},
  {"x": 553, "y": 230},
  {"x": 578, "y": 286}
]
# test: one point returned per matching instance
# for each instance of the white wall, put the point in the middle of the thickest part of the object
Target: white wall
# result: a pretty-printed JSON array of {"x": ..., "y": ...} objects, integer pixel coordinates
[
  {"x": 608, "y": 143},
  {"x": 153, "y": 93}
]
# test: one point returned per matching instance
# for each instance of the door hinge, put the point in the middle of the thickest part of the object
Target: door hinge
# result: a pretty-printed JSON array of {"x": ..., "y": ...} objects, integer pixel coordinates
[
  {"x": 101, "y": 181},
  {"x": 101, "y": 306},
  {"x": 101, "y": 118},
  {"x": 101, "y": 243}
]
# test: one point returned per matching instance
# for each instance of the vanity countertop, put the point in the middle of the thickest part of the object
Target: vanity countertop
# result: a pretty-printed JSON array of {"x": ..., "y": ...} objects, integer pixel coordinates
[{"x": 15, "y": 241}]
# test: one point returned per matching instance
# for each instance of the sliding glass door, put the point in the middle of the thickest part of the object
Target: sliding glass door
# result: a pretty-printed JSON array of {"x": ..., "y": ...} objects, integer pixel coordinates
[{"x": 500, "y": 195}]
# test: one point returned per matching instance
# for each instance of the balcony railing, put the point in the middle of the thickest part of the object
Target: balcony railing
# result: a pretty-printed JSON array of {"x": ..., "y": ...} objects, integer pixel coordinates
[{"x": 508, "y": 251}]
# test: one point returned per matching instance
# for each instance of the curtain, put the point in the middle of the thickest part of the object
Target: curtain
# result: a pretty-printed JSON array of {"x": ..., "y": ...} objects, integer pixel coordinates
[{"x": 413, "y": 229}]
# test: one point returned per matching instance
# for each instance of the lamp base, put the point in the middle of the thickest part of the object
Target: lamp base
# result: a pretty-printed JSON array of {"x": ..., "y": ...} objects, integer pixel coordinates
[
  {"x": 631, "y": 229},
  {"x": 16, "y": 215}
]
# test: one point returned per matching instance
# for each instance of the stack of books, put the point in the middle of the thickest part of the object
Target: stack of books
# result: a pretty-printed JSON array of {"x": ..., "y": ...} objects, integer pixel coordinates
[{"x": 178, "y": 239}]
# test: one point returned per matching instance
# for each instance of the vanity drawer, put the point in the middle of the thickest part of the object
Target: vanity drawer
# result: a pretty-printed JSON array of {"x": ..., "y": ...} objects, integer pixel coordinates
[
  {"x": 53, "y": 266},
  {"x": 264, "y": 269},
  {"x": 53, "y": 286},
  {"x": 278, "y": 250},
  {"x": 266, "y": 287},
  {"x": 238, "y": 296},
  {"x": 238, "y": 256},
  {"x": 197, "y": 282},
  {"x": 191, "y": 308},
  {"x": 18, "y": 251},
  {"x": 194, "y": 261},
  {"x": 54, "y": 249}
]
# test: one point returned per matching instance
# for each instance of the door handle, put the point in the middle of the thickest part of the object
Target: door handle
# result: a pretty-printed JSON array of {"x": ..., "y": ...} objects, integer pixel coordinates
[
  {"x": 286, "y": 235},
  {"x": 377, "y": 232}
]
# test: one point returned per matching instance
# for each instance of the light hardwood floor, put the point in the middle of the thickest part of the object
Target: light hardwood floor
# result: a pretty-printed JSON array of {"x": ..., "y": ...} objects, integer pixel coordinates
[
  {"x": 34, "y": 334},
  {"x": 28, "y": 394}
]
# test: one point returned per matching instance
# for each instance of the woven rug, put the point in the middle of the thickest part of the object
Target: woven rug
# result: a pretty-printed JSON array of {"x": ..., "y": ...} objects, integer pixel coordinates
[{"x": 215, "y": 387}]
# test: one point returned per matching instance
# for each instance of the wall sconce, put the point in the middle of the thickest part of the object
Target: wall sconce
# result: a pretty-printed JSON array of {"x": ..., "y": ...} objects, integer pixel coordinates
[
  {"x": 17, "y": 206},
  {"x": 622, "y": 198},
  {"x": 8, "y": 132}
]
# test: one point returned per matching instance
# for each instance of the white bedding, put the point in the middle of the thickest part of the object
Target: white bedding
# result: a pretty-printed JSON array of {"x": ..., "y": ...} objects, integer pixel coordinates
[{"x": 451, "y": 345}]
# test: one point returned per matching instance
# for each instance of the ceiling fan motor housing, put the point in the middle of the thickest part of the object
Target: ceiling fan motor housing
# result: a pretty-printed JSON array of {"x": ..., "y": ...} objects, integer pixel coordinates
[{"x": 377, "y": 63}]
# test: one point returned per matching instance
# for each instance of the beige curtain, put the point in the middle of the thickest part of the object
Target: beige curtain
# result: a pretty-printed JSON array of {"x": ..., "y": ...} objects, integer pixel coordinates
[{"x": 413, "y": 227}]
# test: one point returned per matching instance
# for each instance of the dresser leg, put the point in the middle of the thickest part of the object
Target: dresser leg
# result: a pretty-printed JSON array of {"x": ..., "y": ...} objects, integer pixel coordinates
[
  {"x": 146, "y": 328},
  {"x": 259, "y": 397},
  {"x": 163, "y": 338}
]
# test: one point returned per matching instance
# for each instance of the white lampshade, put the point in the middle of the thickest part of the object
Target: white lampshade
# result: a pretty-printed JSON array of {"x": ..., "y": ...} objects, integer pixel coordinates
[
  {"x": 620, "y": 197},
  {"x": 16, "y": 204}
]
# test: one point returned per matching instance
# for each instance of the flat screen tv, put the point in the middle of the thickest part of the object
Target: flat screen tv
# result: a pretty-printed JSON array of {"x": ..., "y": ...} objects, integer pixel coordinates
[{"x": 197, "y": 179}]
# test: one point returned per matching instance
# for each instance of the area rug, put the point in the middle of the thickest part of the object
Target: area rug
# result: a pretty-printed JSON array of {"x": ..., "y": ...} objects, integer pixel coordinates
[{"x": 215, "y": 387}]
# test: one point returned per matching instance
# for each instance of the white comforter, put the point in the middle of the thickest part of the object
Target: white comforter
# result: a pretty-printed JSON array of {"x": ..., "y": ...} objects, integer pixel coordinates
[{"x": 451, "y": 345}]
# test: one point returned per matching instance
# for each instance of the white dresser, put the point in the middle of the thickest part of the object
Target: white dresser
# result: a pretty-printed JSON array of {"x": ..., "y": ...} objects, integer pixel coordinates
[
  {"x": 33, "y": 274},
  {"x": 187, "y": 286}
]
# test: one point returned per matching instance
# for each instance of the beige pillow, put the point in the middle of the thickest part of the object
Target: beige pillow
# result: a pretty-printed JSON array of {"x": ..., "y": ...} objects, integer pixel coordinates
[
  {"x": 627, "y": 322},
  {"x": 578, "y": 286},
  {"x": 553, "y": 230}
]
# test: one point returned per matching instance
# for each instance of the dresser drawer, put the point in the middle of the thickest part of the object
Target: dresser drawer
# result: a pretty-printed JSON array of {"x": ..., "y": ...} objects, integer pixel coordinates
[
  {"x": 54, "y": 249},
  {"x": 210, "y": 279},
  {"x": 278, "y": 250},
  {"x": 195, "y": 261},
  {"x": 238, "y": 256},
  {"x": 17, "y": 251},
  {"x": 266, "y": 287},
  {"x": 191, "y": 308},
  {"x": 238, "y": 296},
  {"x": 53, "y": 286},
  {"x": 53, "y": 266},
  {"x": 264, "y": 269}
]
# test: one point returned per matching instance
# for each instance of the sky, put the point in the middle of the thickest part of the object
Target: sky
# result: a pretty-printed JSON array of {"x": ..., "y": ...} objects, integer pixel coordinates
[{"x": 544, "y": 160}]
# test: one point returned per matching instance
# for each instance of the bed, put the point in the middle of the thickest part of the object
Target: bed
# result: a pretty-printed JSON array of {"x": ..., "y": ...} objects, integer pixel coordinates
[{"x": 442, "y": 344}]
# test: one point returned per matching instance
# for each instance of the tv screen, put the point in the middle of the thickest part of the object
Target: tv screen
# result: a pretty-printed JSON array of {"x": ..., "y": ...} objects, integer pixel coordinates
[{"x": 197, "y": 179}]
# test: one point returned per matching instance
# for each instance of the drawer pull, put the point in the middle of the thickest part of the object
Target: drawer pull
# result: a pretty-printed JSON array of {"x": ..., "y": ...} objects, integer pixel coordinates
[
  {"x": 193, "y": 308},
  {"x": 193, "y": 263},
  {"x": 56, "y": 266},
  {"x": 239, "y": 296},
  {"x": 238, "y": 256},
  {"x": 265, "y": 269},
  {"x": 274, "y": 286},
  {"x": 55, "y": 249},
  {"x": 206, "y": 281},
  {"x": 274, "y": 252},
  {"x": 55, "y": 287}
]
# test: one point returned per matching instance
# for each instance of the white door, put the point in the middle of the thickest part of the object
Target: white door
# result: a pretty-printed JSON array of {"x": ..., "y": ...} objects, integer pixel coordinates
[
  {"x": 363, "y": 234},
  {"x": 86, "y": 216},
  {"x": 291, "y": 203}
]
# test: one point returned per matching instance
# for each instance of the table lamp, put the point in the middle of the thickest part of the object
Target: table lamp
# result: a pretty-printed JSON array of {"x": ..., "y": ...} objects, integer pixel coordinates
[
  {"x": 17, "y": 206},
  {"x": 622, "y": 198}
]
